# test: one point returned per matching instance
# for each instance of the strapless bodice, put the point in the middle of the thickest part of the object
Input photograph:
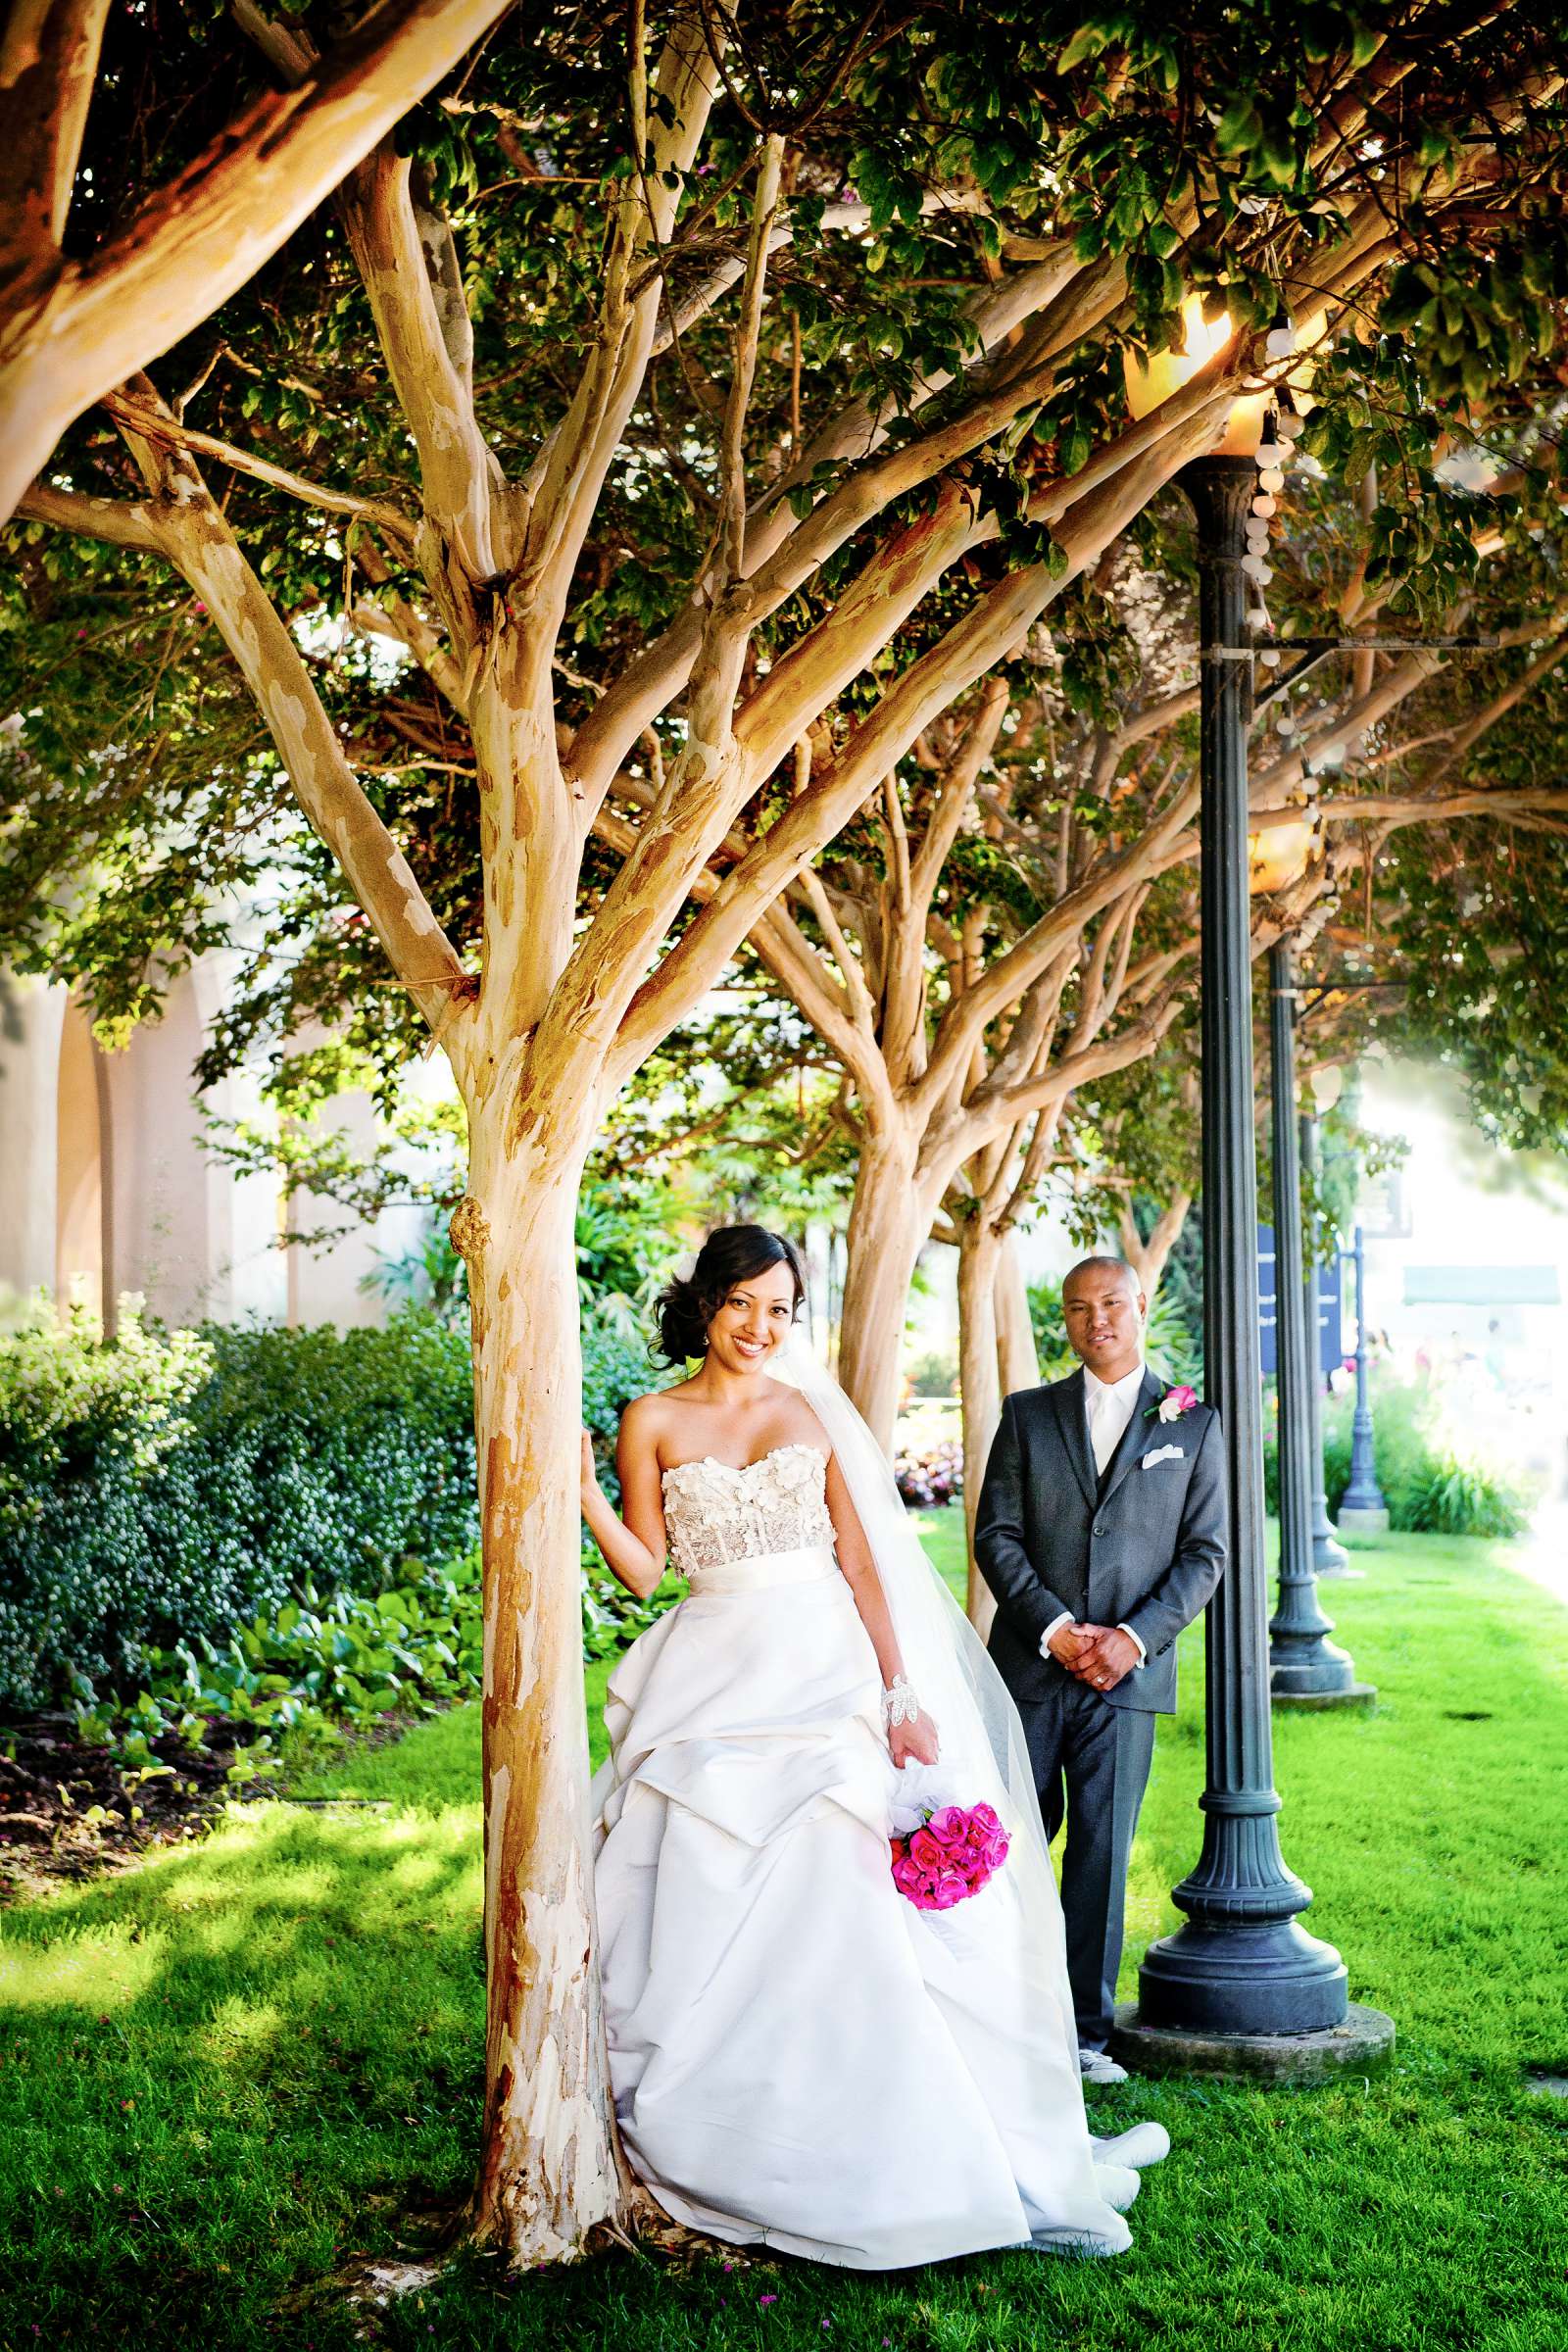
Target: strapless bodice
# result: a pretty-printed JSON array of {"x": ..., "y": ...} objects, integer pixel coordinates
[{"x": 716, "y": 1516}]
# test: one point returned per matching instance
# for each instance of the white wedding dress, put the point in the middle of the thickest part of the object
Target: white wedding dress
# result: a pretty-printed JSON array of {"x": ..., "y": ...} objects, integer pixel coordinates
[{"x": 800, "y": 2057}]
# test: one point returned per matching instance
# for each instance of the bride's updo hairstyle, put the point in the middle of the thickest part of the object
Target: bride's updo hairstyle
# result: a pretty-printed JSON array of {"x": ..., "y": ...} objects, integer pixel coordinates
[{"x": 731, "y": 1254}]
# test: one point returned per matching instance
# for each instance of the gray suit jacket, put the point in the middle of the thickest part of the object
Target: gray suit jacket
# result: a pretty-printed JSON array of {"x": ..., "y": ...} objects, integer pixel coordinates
[{"x": 1145, "y": 1547}]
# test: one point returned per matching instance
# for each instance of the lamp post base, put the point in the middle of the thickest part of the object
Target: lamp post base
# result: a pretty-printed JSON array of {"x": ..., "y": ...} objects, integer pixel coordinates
[
  {"x": 1329, "y": 1558},
  {"x": 1364, "y": 1519},
  {"x": 1363, "y": 1695},
  {"x": 1264, "y": 1977},
  {"x": 1302, "y": 1669},
  {"x": 1359, "y": 2045}
]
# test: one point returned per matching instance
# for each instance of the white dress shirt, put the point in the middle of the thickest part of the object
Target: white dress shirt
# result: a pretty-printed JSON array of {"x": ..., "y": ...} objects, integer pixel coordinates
[{"x": 1108, "y": 1406}]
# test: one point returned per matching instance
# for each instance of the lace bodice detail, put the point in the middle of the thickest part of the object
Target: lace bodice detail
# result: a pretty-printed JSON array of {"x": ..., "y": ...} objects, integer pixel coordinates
[{"x": 714, "y": 1513}]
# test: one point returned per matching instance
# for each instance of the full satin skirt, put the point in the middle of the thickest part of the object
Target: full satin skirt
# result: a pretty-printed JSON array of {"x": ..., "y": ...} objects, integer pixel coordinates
[{"x": 800, "y": 2058}]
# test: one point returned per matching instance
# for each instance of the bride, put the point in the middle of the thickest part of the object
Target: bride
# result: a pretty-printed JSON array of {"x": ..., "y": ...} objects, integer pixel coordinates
[{"x": 799, "y": 2056}]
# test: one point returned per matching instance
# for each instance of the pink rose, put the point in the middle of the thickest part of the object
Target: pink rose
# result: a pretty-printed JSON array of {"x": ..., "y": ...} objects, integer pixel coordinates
[{"x": 954, "y": 1853}]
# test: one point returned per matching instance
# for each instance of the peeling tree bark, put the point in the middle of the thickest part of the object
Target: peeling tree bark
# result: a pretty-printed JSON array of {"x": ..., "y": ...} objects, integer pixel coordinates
[
  {"x": 549, "y": 2170},
  {"x": 890, "y": 1220},
  {"x": 979, "y": 1379},
  {"x": 1017, "y": 1358}
]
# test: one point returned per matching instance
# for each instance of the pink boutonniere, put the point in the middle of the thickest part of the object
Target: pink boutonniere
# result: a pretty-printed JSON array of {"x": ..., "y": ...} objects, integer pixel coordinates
[{"x": 1171, "y": 1406}]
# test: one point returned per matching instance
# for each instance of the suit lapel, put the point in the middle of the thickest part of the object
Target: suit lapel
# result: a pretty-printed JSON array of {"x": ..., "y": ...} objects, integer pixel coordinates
[
  {"x": 1133, "y": 1437},
  {"x": 1068, "y": 1398}
]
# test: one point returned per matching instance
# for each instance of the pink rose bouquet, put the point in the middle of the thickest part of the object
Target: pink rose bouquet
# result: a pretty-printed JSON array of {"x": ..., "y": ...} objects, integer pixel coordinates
[{"x": 951, "y": 1856}]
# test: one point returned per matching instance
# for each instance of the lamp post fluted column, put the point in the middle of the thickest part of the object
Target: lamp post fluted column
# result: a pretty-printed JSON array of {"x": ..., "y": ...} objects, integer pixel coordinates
[
  {"x": 1329, "y": 1555},
  {"x": 1303, "y": 1663},
  {"x": 1240, "y": 1964},
  {"x": 1362, "y": 1507}
]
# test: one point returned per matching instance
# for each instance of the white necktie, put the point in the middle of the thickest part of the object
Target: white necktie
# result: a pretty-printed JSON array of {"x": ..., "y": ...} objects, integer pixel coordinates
[{"x": 1101, "y": 1427}]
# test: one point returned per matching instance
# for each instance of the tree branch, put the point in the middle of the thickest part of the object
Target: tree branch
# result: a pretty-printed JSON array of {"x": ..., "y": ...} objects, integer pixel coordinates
[
  {"x": 48, "y": 62},
  {"x": 195, "y": 536},
  {"x": 122, "y": 521},
  {"x": 203, "y": 236},
  {"x": 169, "y": 430},
  {"x": 985, "y": 636},
  {"x": 564, "y": 483},
  {"x": 428, "y": 357}
]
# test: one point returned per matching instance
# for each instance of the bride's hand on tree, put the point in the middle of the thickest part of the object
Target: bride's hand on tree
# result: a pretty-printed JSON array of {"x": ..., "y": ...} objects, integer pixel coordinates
[
  {"x": 590, "y": 1468},
  {"x": 914, "y": 1743}
]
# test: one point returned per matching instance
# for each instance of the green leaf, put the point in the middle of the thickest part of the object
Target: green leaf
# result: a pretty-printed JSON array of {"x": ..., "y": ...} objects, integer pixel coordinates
[
  {"x": 1240, "y": 127},
  {"x": 1086, "y": 42}
]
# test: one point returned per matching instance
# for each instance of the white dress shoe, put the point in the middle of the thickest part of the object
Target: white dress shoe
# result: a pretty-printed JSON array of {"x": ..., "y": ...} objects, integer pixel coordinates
[
  {"x": 1117, "y": 2184},
  {"x": 1098, "y": 2065},
  {"x": 1145, "y": 2143}
]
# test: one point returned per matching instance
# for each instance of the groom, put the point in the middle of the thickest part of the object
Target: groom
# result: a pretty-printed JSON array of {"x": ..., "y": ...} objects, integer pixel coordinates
[{"x": 1101, "y": 1531}]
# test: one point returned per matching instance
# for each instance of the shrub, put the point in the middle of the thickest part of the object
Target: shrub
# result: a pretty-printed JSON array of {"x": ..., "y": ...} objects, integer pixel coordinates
[
  {"x": 1429, "y": 1488},
  {"x": 312, "y": 1667},
  {"x": 173, "y": 1486},
  {"x": 1429, "y": 1485},
  {"x": 931, "y": 1476},
  {"x": 934, "y": 1375}
]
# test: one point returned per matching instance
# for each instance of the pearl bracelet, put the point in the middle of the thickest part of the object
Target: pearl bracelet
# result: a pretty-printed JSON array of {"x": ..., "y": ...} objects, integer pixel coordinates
[{"x": 898, "y": 1702}]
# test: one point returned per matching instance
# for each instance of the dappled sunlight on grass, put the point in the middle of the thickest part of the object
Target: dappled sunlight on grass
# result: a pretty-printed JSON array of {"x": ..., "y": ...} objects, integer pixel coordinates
[
  {"x": 240, "y": 2029},
  {"x": 224, "y": 2071},
  {"x": 101, "y": 1969}
]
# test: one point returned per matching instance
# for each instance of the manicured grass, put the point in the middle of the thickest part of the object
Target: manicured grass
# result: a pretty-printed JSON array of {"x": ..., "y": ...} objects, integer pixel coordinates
[{"x": 231, "y": 2068}]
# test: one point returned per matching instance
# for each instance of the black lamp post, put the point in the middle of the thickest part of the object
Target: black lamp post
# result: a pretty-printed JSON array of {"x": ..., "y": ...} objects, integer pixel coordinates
[
  {"x": 1362, "y": 1507},
  {"x": 1304, "y": 1666},
  {"x": 1240, "y": 1964},
  {"x": 1329, "y": 1555}
]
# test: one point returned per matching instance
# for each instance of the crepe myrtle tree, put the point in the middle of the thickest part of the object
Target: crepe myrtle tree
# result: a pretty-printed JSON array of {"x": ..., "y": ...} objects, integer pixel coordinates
[
  {"x": 1099, "y": 786},
  {"x": 479, "y": 565},
  {"x": 638, "y": 393}
]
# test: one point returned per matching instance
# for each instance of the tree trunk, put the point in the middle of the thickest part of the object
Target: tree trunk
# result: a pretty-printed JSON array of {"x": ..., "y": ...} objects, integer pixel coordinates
[
  {"x": 1149, "y": 1259},
  {"x": 979, "y": 1251},
  {"x": 889, "y": 1223},
  {"x": 549, "y": 2170},
  {"x": 1017, "y": 1358}
]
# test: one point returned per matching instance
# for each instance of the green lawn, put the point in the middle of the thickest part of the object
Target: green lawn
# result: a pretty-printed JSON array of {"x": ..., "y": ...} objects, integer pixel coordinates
[{"x": 232, "y": 2067}]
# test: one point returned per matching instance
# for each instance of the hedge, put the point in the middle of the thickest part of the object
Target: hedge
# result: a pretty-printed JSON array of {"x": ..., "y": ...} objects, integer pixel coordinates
[{"x": 174, "y": 1485}]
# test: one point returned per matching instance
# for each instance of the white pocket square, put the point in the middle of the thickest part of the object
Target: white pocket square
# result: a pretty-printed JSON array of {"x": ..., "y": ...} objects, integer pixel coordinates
[{"x": 1163, "y": 1454}]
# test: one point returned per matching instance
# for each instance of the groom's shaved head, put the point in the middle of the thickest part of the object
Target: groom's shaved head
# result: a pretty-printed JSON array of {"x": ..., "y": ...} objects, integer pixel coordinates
[{"x": 1097, "y": 1269}]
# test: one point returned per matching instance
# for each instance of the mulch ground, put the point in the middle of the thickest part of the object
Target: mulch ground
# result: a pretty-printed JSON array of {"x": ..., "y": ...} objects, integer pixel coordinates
[{"x": 67, "y": 1810}]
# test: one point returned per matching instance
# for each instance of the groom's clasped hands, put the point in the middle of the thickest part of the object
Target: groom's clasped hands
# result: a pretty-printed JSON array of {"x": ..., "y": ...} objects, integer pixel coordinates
[{"x": 1101, "y": 1655}]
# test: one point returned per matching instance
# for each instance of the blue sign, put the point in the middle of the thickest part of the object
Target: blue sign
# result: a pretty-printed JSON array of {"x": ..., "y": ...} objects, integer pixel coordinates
[{"x": 1330, "y": 1299}]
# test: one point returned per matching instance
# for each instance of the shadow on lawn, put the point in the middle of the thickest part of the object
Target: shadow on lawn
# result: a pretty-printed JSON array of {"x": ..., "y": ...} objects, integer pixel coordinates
[
  {"x": 229, "y": 2074},
  {"x": 233, "y": 2068}
]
